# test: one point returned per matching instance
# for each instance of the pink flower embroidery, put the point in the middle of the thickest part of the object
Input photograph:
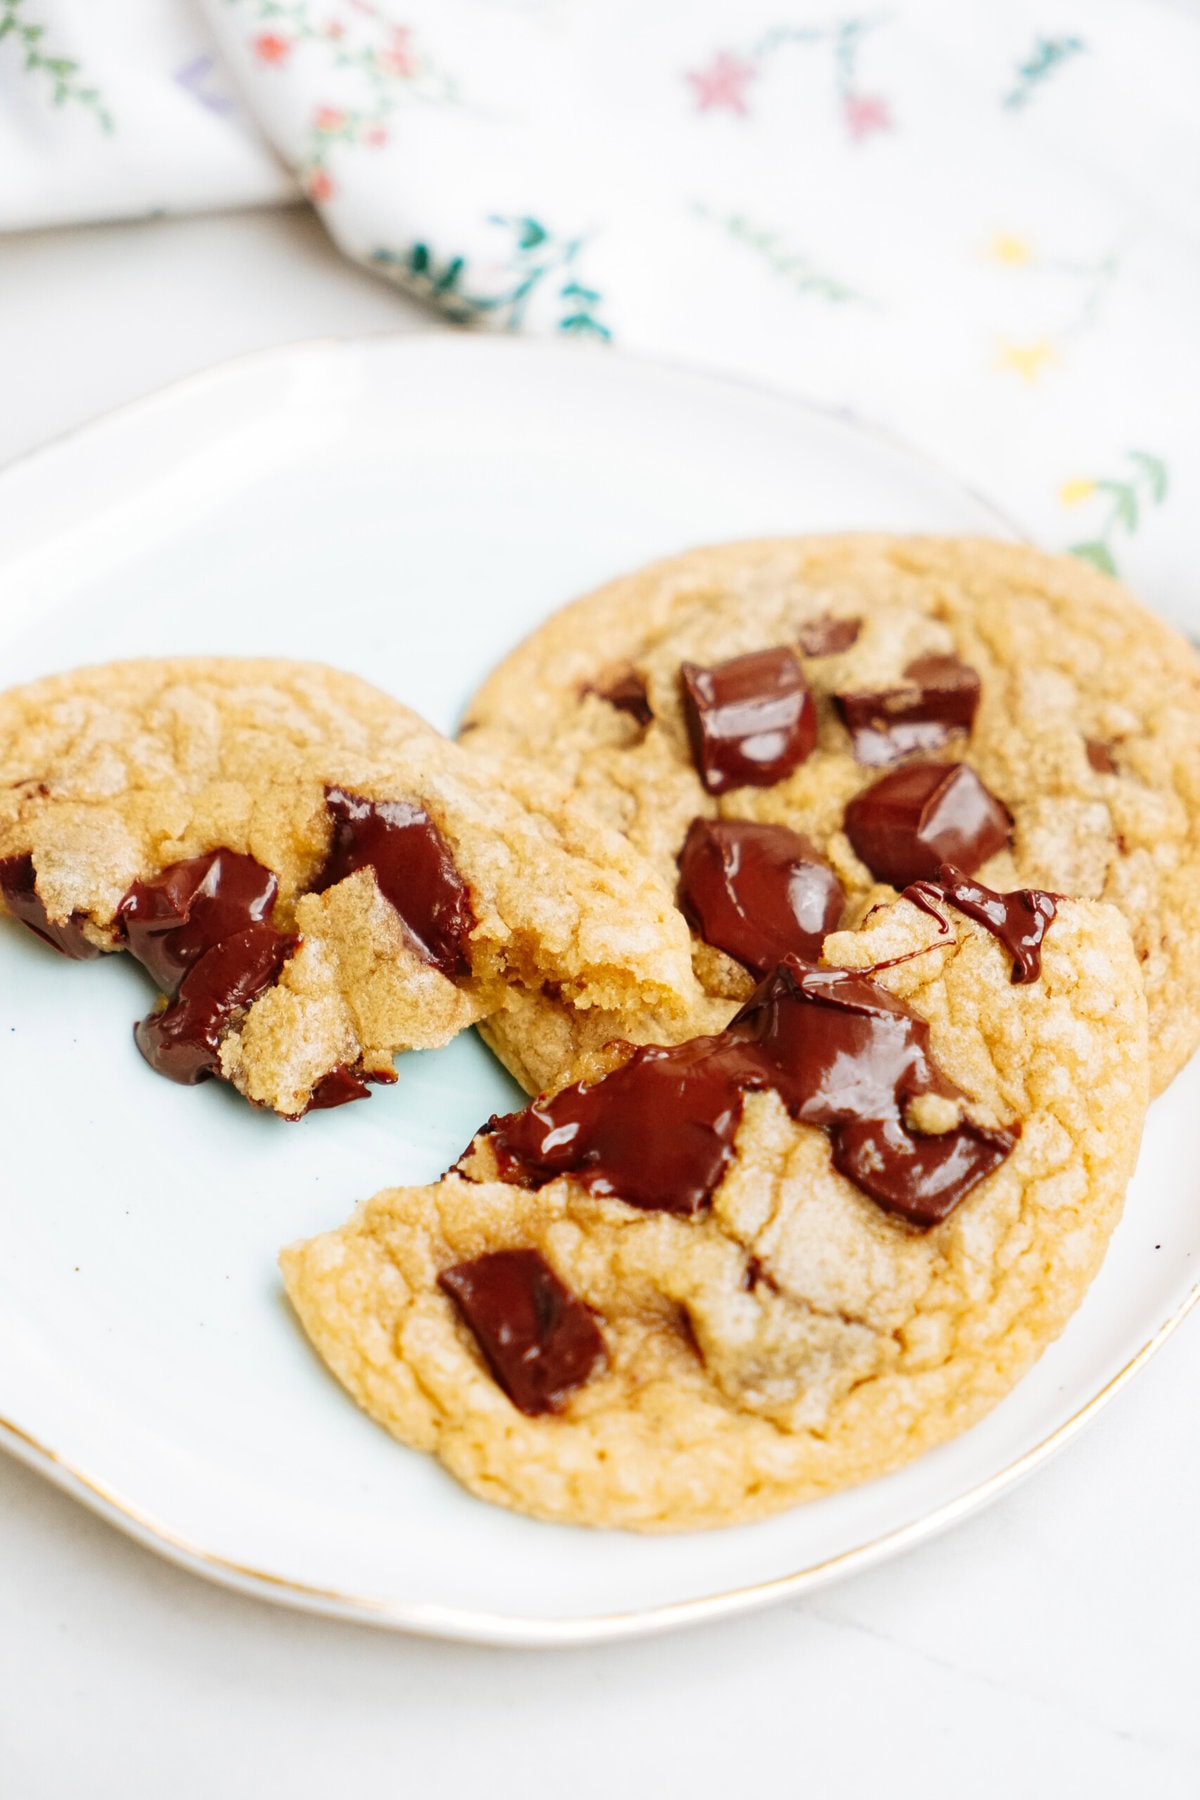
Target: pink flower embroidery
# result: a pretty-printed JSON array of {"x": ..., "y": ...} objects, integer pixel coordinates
[
  {"x": 375, "y": 135},
  {"x": 269, "y": 47},
  {"x": 400, "y": 58},
  {"x": 723, "y": 83},
  {"x": 328, "y": 118},
  {"x": 319, "y": 185},
  {"x": 866, "y": 113},
  {"x": 333, "y": 28}
]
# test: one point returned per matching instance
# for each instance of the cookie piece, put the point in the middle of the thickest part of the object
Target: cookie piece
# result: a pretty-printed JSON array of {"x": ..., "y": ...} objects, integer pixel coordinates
[
  {"x": 765, "y": 1331},
  {"x": 1076, "y": 711},
  {"x": 315, "y": 879}
]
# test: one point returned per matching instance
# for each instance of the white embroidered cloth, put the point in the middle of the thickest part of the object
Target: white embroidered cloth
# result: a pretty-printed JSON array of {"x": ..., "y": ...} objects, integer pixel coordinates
[{"x": 978, "y": 225}]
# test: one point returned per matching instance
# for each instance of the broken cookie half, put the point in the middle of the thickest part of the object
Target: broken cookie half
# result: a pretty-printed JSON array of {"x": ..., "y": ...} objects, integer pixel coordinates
[
  {"x": 714, "y": 1279},
  {"x": 313, "y": 877}
]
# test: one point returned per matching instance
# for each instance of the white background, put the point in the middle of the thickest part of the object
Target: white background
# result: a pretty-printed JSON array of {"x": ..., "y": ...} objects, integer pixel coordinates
[{"x": 1051, "y": 1645}]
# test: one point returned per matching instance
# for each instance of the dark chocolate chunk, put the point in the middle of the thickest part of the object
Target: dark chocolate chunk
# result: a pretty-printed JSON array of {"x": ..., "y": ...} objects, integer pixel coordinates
[
  {"x": 938, "y": 701},
  {"x": 539, "y": 1341},
  {"x": 627, "y": 692},
  {"x": 757, "y": 892},
  {"x": 17, "y": 879},
  {"x": 172, "y": 919},
  {"x": 656, "y": 1133},
  {"x": 343, "y": 1084},
  {"x": 1019, "y": 919},
  {"x": 750, "y": 721},
  {"x": 921, "y": 1178},
  {"x": 183, "y": 1041},
  {"x": 1100, "y": 755},
  {"x": 828, "y": 636},
  {"x": 839, "y": 1050},
  {"x": 912, "y": 821},
  {"x": 413, "y": 867}
]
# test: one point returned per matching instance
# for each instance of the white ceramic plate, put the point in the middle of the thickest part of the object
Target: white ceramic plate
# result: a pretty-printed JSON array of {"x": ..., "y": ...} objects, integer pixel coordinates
[{"x": 406, "y": 509}]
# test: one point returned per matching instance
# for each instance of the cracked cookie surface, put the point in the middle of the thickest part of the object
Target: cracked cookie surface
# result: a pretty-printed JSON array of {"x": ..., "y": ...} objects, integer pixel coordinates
[
  {"x": 1087, "y": 730},
  {"x": 792, "y": 1338},
  {"x": 117, "y": 780}
]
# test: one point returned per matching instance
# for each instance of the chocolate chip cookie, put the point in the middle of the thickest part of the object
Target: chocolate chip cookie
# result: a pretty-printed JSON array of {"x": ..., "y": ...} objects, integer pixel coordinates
[
  {"x": 716, "y": 1278},
  {"x": 793, "y": 729},
  {"x": 312, "y": 876}
]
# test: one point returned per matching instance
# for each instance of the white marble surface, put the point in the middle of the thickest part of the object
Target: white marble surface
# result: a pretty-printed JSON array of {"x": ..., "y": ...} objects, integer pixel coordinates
[{"x": 1050, "y": 1645}]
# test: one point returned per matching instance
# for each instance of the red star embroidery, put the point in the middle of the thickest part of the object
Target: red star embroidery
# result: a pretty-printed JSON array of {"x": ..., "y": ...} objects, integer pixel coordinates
[
  {"x": 723, "y": 83},
  {"x": 866, "y": 113}
]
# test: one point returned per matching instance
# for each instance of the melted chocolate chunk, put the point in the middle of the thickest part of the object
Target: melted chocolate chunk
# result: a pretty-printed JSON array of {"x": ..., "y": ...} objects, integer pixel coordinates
[
  {"x": 414, "y": 870},
  {"x": 171, "y": 920},
  {"x": 921, "y": 1178},
  {"x": 750, "y": 721},
  {"x": 1019, "y": 919},
  {"x": 840, "y": 1051},
  {"x": 828, "y": 636},
  {"x": 627, "y": 692},
  {"x": 343, "y": 1084},
  {"x": 17, "y": 878},
  {"x": 656, "y": 1133},
  {"x": 1100, "y": 755},
  {"x": 538, "y": 1340},
  {"x": 757, "y": 892},
  {"x": 183, "y": 1042},
  {"x": 938, "y": 701},
  {"x": 912, "y": 821}
]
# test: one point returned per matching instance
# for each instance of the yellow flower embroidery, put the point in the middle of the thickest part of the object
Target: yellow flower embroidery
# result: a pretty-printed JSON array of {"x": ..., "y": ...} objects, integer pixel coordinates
[
  {"x": 1027, "y": 360},
  {"x": 1079, "y": 488},
  {"x": 1006, "y": 248}
]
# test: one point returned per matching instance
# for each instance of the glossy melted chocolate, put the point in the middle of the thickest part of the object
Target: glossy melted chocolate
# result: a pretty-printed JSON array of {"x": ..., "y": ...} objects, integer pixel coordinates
[
  {"x": 343, "y": 1084},
  {"x": 413, "y": 868},
  {"x": 840, "y": 1051},
  {"x": 183, "y": 1042},
  {"x": 1019, "y": 920},
  {"x": 938, "y": 700},
  {"x": 202, "y": 928},
  {"x": 627, "y": 692},
  {"x": 750, "y": 721},
  {"x": 538, "y": 1340},
  {"x": 757, "y": 892},
  {"x": 171, "y": 920},
  {"x": 828, "y": 636},
  {"x": 17, "y": 879},
  {"x": 912, "y": 821}
]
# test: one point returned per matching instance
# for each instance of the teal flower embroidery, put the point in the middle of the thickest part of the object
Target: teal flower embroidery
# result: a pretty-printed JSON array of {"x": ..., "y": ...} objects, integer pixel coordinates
[
  {"x": 1047, "y": 56},
  {"x": 540, "y": 262}
]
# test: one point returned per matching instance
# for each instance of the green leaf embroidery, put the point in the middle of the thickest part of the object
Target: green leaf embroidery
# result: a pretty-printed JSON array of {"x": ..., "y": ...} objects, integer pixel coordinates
[
  {"x": 62, "y": 72},
  {"x": 1125, "y": 506},
  {"x": 1155, "y": 471},
  {"x": 1096, "y": 553},
  {"x": 792, "y": 265}
]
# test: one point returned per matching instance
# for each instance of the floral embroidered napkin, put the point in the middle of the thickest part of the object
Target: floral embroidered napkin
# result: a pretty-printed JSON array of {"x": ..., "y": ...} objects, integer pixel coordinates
[{"x": 977, "y": 225}]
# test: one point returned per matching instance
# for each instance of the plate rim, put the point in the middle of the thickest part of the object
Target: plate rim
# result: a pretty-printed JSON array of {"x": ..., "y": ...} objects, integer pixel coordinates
[
  {"x": 529, "y": 1632},
  {"x": 462, "y": 1624},
  {"x": 506, "y": 343}
]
